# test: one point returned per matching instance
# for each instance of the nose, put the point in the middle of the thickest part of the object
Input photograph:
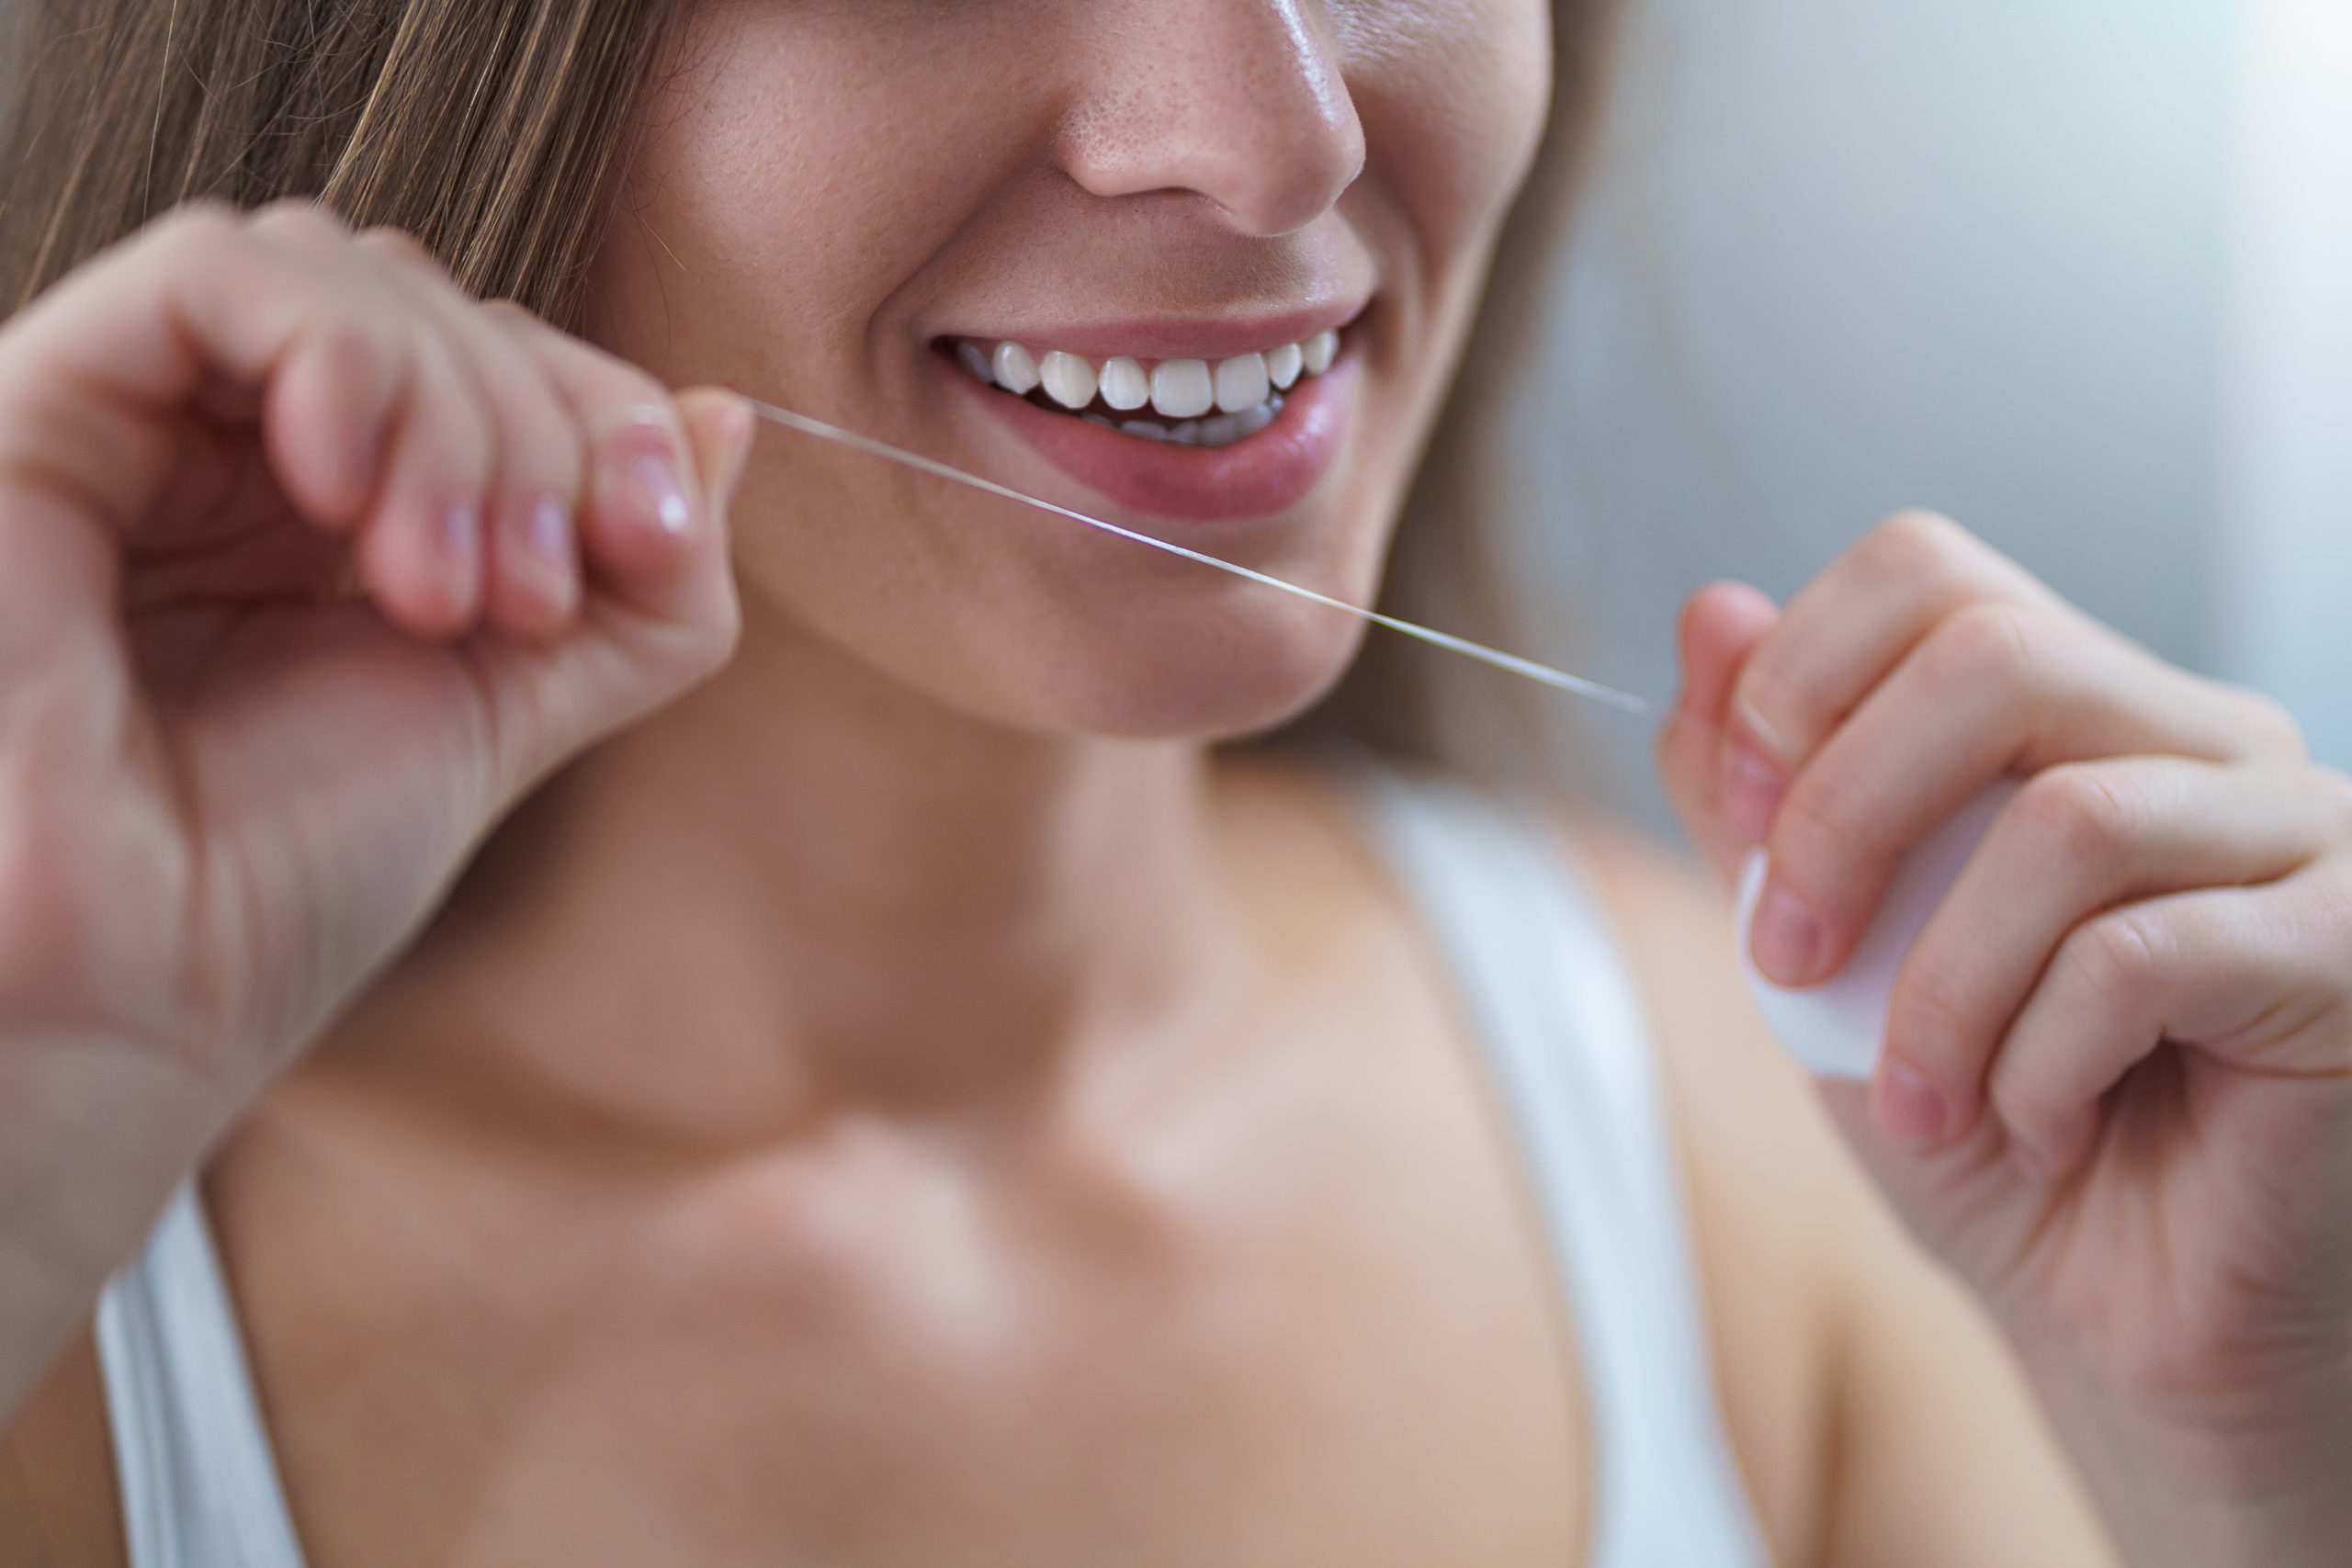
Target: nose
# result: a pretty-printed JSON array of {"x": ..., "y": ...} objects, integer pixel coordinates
[{"x": 1239, "y": 101}]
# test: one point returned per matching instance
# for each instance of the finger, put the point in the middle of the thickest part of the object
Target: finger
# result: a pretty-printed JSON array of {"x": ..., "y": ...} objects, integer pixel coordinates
[
  {"x": 1843, "y": 632},
  {"x": 624, "y": 658},
  {"x": 420, "y": 552},
  {"x": 122, "y": 347},
  {"x": 100, "y": 374},
  {"x": 2241, "y": 975},
  {"x": 368, "y": 419},
  {"x": 2077, "y": 841},
  {"x": 530, "y": 559},
  {"x": 1996, "y": 687},
  {"x": 1719, "y": 626},
  {"x": 350, "y": 371},
  {"x": 722, "y": 428},
  {"x": 644, "y": 522}
]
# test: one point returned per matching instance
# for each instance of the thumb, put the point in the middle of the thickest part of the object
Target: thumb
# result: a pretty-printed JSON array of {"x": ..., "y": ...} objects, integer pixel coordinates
[
  {"x": 1720, "y": 627},
  {"x": 721, "y": 428}
]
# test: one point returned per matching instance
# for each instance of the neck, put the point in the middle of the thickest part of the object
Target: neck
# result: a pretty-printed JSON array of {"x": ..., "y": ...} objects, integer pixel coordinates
[{"x": 808, "y": 887}]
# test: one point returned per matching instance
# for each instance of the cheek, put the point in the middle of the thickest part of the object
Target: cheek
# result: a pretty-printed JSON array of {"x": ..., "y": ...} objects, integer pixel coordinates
[
  {"x": 802, "y": 166},
  {"x": 1453, "y": 96},
  {"x": 1034, "y": 621}
]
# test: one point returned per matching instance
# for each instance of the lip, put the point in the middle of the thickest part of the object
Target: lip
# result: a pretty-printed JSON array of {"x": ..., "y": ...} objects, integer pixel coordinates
[
  {"x": 1263, "y": 474},
  {"x": 1155, "y": 338}
]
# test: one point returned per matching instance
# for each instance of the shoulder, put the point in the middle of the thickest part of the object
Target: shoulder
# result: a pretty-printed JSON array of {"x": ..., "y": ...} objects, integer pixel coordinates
[
  {"x": 1869, "y": 1396},
  {"x": 1776, "y": 1206}
]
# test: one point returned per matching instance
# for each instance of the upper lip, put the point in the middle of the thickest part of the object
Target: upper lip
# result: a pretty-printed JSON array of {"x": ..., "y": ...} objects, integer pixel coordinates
[{"x": 1171, "y": 337}]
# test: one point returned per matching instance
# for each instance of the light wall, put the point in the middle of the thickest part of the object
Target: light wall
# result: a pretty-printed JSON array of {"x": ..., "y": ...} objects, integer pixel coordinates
[
  {"x": 2282, "y": 604},
  {"x": 1844, "y": 256}
]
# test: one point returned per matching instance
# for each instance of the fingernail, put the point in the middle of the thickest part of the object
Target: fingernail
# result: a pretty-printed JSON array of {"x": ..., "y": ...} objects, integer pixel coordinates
[
  {"x": 546, "y": 545},
  {"x": 458, "y": 541},
  {"x": 1913, "y": 1111},
  {"x": 658, "y": 477},
  {"x": 546, "y": 534},
  {"x": 1754, "y": 723},
  {"x": 741, "y": 430},
  {"x": 1786, "y": 943},
  {"x": 642, "y": 460},
  {"x": 1750, "y": 792}
]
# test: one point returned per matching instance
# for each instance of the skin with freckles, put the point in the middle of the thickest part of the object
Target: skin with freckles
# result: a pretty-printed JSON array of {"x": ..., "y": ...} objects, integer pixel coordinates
[
  {"x": 906, "y": 1099},
  {"x": 1191, "y": 174}
]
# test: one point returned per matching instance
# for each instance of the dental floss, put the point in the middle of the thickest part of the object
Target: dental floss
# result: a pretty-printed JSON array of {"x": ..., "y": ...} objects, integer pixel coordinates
[
  {"x": 1838, "y": 1029},
  {"x": 1835, "y": 1029},
  {"x": 1543, "y": 674}
]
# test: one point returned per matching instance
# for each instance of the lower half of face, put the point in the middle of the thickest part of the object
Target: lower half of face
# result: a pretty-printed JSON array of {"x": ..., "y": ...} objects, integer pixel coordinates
[{"x": 1201, "y": 271}]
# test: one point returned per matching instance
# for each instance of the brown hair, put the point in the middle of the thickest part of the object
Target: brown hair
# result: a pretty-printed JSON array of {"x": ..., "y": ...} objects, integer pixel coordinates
[
  {"x": 488, "y": 129},
  {"x": 493, "y": 131}
]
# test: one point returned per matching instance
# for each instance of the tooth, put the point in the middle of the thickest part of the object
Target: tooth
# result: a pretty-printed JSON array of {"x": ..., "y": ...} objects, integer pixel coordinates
[
  {"x": 1319, "y": 351},
  {"x": 1125, "y": 386},
  {"x": 1251, "y": 420},
  {"x": 1068, "y": 379},
  {"x": 974, "y": 361},
  {"x": 1092, "y": 418},
  {"x": 1222, "y": 431},
  {"x": 1016, "y": 371},
  {"x": 1149, "y": 430},
  {"x": 1281, "y": 364},
  {"x": 1241, "y": 383},
  {"x": 1180, "y": 389},
  {"x": 1187, "y": 434}
]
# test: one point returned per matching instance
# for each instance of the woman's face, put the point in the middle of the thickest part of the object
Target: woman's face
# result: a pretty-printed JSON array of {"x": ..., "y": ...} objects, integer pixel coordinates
[{"x": 847, "y": 206}]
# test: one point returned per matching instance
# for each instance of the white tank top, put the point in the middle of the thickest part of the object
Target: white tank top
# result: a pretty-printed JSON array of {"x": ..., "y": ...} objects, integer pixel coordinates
[{"x": 1537, "y": 971}]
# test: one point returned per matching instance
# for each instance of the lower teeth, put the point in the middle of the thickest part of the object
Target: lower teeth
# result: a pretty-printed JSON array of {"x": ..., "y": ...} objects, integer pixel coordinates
[{"x": 1223, "y": 430}]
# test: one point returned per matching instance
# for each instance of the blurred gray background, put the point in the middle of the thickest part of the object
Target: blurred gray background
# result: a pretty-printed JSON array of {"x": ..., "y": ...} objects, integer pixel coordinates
[{"x": 2077, "y": 272}]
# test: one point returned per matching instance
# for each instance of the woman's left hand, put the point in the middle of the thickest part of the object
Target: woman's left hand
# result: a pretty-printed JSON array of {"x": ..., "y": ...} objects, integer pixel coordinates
[{"x": 2117, "y": 1092}]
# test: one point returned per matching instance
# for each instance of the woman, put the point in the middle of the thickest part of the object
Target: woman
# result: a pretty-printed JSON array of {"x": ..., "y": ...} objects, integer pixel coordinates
[{"x": 898, "y": 1096}]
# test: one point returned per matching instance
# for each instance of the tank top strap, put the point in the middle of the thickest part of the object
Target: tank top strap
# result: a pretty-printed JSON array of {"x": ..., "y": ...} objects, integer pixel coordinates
[
  {"x": 1537, "y": 974},
  {"x": 199, "y": 1486}
]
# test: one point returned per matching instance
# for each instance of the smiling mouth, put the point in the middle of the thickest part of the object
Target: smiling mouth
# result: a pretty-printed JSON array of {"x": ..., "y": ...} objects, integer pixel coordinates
[{"x": 1189, "y": 402}]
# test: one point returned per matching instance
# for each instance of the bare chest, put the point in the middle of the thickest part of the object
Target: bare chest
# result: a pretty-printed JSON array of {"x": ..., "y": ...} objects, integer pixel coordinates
[{"x": 1332, "y": 1349}]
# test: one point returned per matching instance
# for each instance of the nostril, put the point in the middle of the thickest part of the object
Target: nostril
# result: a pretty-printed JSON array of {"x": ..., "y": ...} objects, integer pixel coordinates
[{"x": 1237, "y": 102}]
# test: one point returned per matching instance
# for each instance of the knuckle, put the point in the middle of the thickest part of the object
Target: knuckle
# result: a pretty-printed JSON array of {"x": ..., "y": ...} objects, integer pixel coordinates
[
  {"x": 1912, "y": 545},
  {"x": 399, "y": 249},
  {"x": 2333, "y": 790},
  {"x": 1984, "y": 642},
  {"x": 1823, "y": 812},
  {"x": 2021, "y": 1098},
  {"x": 199, "y": 215},
  {"x": 1929, "y": 1019},
  {"x": 2079, "y": 814},
  {"x": 200, "y": 234},
  {"x": 2116, "y": 957},
  {"x": 641, "y": 387},
  {"x": 303, "y": 221},
  {"x": 2274, "y": 732},
  {"x": 507, "y": 314},
  {"x": 1776, "y": 695}
]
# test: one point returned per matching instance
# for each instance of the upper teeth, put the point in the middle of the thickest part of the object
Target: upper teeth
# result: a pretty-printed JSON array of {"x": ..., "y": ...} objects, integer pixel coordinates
[{"x": 1176, "y": 389}]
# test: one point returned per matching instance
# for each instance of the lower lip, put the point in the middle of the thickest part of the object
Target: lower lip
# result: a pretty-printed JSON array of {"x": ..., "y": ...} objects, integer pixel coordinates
[{"x": 1255, "y": 477}]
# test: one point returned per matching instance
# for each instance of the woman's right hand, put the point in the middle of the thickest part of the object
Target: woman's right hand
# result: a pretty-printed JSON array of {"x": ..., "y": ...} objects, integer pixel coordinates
[{"x": 310, "y": 565}]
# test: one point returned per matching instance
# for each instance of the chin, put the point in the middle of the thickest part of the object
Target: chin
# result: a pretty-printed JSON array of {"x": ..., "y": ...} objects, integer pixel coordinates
[{"x": 1220, "y": 690}]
